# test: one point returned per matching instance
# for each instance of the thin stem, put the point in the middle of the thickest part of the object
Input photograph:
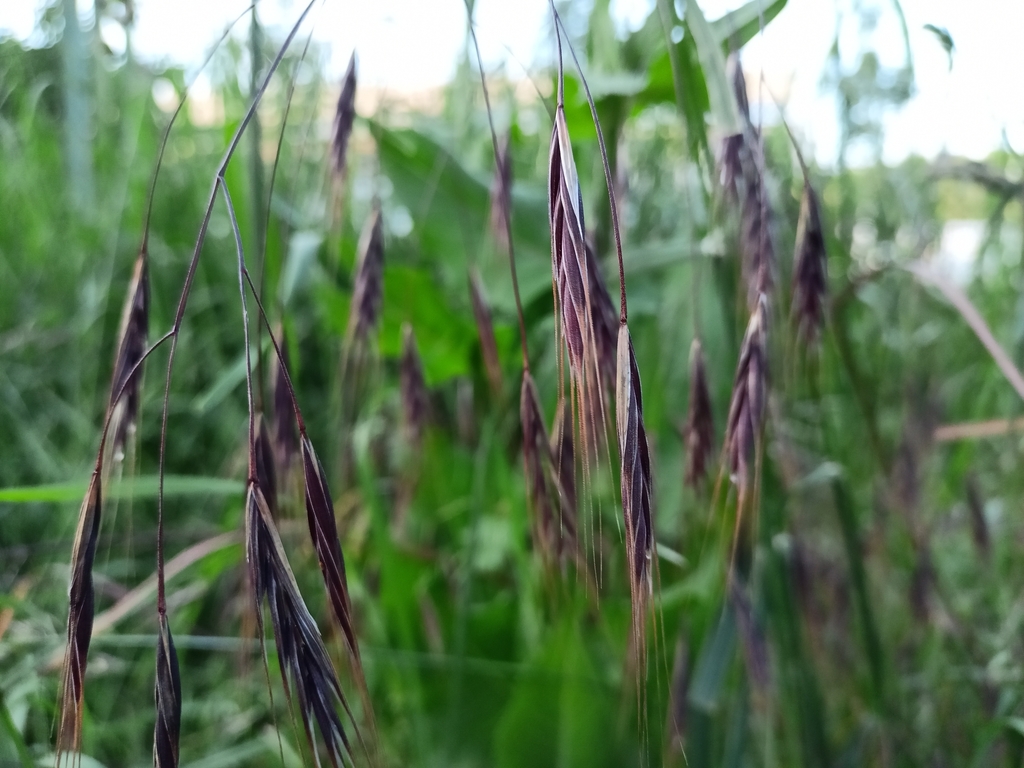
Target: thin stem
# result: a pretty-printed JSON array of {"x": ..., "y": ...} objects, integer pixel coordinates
[
  {"x": 503, "y": 193},
  {"x": 245, "y": 325},
  {"x": 280, "y": 356},
  {"x": 604, "y": 161},
  {"x": 174, "y": 117},
  {"x": 186, "y": 290}
]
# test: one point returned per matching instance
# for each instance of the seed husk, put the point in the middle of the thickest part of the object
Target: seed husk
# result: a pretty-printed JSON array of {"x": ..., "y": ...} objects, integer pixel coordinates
[
  {"x": 344, "y": 117},
  {"x": 80, "y": 618}
]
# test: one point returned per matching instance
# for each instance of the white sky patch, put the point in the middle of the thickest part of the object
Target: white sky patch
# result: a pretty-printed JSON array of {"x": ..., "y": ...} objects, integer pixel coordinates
[{"x": 412, "y": 45}]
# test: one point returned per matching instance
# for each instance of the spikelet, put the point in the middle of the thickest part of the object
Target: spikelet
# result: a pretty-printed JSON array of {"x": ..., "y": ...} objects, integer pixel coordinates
[
  {"x": 570, "y": 275},
  {"x": 739, "y": 86},
  {"x": 810, "y": 269},
  {"x": 635, "y": 479},
  {"x": 131, "y": 345},
  {"x": 369, "y": 280},
  {"x": 749, "y": 391},
  {"x": 167, "y": 730},
  {"x": 756, "y": 221},
  {"x": 80, "y": 618},
  {"x": 501, "y": 194},
  {"x": 553, "y": 528},
  {"x": 307, "y": 674},
  {"x": 415, "y": 398},
  {"x": 699, "y": 432},
  {"x": 286, "y": 439},
  {"x": 344, "y": 117},
  {"x": 485, "y": 328},
  {"x": 604, "y": 321}
]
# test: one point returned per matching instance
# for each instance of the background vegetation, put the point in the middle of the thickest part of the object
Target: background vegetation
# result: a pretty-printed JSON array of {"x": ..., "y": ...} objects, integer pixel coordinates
[{"x": 885, "y": 571}]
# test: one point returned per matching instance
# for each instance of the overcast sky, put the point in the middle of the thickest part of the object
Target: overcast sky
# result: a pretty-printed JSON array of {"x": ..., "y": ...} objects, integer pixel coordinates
[{"x": 413, "y": 44}]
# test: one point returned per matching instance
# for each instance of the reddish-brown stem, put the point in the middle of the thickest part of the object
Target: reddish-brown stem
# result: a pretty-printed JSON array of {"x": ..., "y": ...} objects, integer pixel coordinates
[{"x": 186, "y": 291}]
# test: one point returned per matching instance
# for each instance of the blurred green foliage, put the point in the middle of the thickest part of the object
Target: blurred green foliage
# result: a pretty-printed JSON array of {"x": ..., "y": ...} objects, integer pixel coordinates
[{"x": 884, "y": 565}]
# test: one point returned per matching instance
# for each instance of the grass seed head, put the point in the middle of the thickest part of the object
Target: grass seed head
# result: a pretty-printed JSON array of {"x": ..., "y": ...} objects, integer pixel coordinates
[
  {"x": 131, "y": 345},
  {"x": 699, "y": 432},
  {"x": 368, "y": 286},
  {"x": 167, "y": 730},
  {"x": 756, "y": 222},
  {"x": 810, "y": 269},
  {"x": 415, "y": 398},
  {"x": 307, "y": 674},
  {"x": 82, "y": 608},
  {"x": 571, "y": 280},
  {"x": 749, "y": 392},
  {"x": 635, "y": 476},
  {"x": 323, "y": 531},
  {"x": 344, "y": 117},
  {"x": 485, "y": 328}
]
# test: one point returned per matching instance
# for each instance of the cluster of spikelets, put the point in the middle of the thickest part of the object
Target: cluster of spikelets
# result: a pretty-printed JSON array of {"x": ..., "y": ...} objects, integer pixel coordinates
[
  {"x": 595, "y": 352},
  {"x": 308, "y": 675}
]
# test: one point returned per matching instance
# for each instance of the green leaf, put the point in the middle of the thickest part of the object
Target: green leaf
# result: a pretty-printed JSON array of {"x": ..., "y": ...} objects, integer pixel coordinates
[
  {"x": 144, "y": 487},
  {"x": 738, "y": 27},
  {"x": 712, "y": 61}
]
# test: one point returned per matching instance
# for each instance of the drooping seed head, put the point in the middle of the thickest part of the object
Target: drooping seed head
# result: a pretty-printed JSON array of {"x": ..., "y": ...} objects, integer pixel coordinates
[
  {"x": 323, "y": 532},
  {"x": 731, "y": 165},
  {"x": 501, "y": 194},
  {"x": 635, "y": 467},
  {"x": 415, "y": 398},
  {"x": 739, "y": 86},
  {"x": 263, "y": 461},
  {"x": 125, "y": 385},
  {"x": 167, "y": 730},
  {"x": 369, "y": 280},
  {"x": 82, "y": 606},
  {"x": 344, "y": 117},
  {"x": 307, "y": 674},
  {"x": 699, "y": 432},
  {"x": 757, "y": 246},
  {"x": 485, "y": 329},
  {"x": 810, "y": 269},
  {"x": 749, "y": 393}
]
